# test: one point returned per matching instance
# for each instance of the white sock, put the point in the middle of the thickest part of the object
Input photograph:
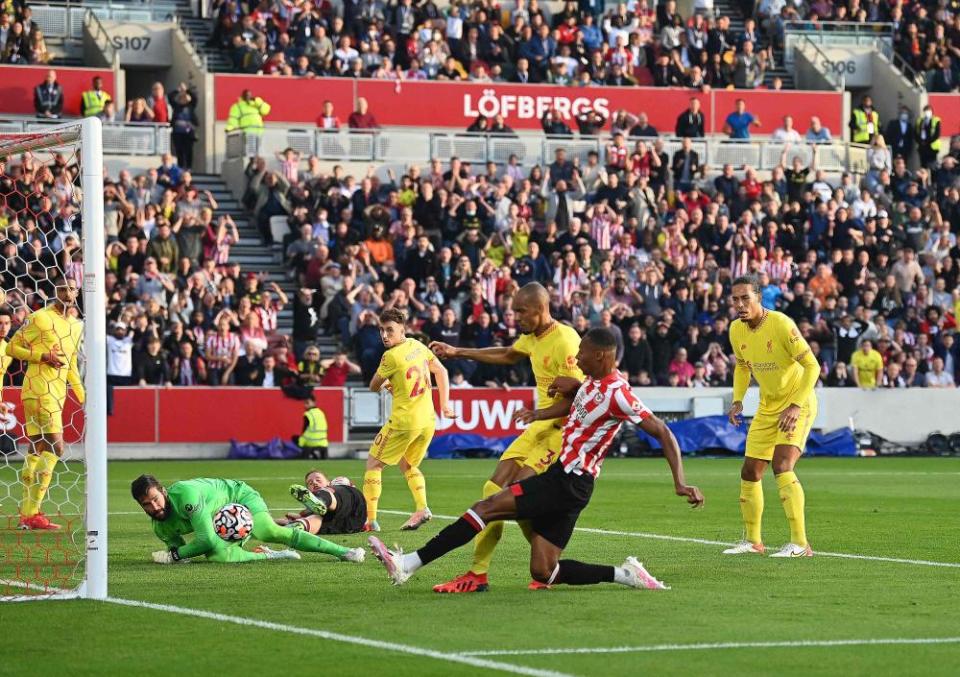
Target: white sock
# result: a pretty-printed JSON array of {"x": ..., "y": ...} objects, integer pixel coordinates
[
  {"x": 411, "y": 562},
  {"x": 622, "y": 576}
]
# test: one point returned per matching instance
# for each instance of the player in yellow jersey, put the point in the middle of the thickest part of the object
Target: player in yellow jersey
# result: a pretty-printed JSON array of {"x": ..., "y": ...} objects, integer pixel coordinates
[
  {"x": 552, "y": 349},
  {"x": 768, "y": 345},
  {"x": 6, "y": 322},
  {"x": 48, "y": 342},
  {"x": 405, "y": 371}
]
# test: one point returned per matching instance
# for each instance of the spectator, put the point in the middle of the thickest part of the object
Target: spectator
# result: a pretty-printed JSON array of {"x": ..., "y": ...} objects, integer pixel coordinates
[
  {"x": 38, "y": 53},
  {"x": 120, "y": 356},
  {"x": 138, "y": 111},
  {"x": 748, "y": 68},
  {"x": 327, "y": 120},
  {"x": 222, "y": 351},
  {"x": 362, "y": 118},
  {"x": 337, "y": 369},
  {"x": 787, "y": 133},
  {"x": 152, "y": 366},
  {"x": 691, "y": 123},
  {"x": 899, "y": 133},
  {"x": 937, "y": 377},
  {"x": 737, "y": 124},
  {"x": 48, "y": 97},
  {"x": 184, "y": 122},
  {"x": 159, "y": 106},
  {"x": 686, "y": 166},
  {"x": 93, "y": 101},
  {"x": 817, "y": 133}
]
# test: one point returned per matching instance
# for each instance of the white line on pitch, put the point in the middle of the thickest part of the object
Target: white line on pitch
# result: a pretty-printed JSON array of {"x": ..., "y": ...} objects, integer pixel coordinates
[
  {"x": 338, "y": 637},
  {"x": 704, "y": 541},
  {"x": 712, "y": 646}
]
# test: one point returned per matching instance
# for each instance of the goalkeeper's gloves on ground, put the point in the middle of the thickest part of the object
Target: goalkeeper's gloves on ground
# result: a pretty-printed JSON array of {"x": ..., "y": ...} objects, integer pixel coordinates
[
  {"x": 277, "y": 554},
  {"x": 168, "y": 557}
]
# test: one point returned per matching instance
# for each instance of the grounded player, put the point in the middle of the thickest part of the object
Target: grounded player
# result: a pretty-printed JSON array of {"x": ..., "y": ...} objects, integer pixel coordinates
[
  {"x": 768, "y": 345},
  {"x": 49, "y": 342},
  {"x": 405, "y": 371},
  {"x": 330, "y": 507},
  {"x": 552, "y": 350},
  {"x": 553, "y": 500},
  {"x": 188, "y": 507}
]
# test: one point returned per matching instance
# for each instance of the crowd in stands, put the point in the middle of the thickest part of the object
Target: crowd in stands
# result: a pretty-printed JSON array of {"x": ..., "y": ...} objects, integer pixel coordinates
[
  {"x": 640, "y": 42},
  {"x": 176, "y": 109},
  {"x": 21, "y": 40},
  {"x": 647, "y": 246}
]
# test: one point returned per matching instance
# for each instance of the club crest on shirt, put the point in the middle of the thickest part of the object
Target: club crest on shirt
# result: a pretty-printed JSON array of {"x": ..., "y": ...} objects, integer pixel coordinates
[
  {"x": 598, "y": 398},
  {"x": 571, "y": 360},
  {"x": 769, "y": 346},
  {"x": 743, "y": 346},
  {"x": 546, "y": 361}
]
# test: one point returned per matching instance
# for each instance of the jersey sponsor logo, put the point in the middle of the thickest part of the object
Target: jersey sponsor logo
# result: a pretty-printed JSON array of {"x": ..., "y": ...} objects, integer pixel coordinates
[{"x": 764, "y": 366}]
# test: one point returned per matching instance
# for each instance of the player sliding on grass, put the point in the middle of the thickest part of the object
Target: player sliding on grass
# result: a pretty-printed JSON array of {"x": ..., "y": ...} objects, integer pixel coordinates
[
  {"x": 335, "y": 507},
  {"x": 404, "y": 371},
  {"x": 188, "y": 507},
  {"x": 553, "y": 500},
  {"x": 552, "y": 350},
  {"x": 768, "y": 345}
]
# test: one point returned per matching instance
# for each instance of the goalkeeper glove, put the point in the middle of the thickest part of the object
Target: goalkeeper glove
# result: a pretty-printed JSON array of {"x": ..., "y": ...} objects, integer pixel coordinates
[
  {"x": 168, "y": 557},
  {"x": 277, "y": 554}
]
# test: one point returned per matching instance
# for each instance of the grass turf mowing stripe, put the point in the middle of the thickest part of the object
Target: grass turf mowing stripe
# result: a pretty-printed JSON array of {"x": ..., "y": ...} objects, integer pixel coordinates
[
  {"x": 337, "y": 637},
  {"x": 704, "y": 541},
  {"x": 715, "y": 645}
]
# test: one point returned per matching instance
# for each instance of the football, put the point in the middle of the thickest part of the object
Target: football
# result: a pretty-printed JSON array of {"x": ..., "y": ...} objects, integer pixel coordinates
[{"x": 233, "y": 522}]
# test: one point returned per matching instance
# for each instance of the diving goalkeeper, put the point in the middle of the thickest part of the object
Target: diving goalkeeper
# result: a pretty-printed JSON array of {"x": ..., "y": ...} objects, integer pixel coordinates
[{"x": 189, "y": 506}]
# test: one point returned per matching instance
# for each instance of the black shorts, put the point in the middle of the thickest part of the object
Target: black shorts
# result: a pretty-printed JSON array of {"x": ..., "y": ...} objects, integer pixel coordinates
[
  {"x": 553, "y": 502},
  {"x": 350, "y": 515}
]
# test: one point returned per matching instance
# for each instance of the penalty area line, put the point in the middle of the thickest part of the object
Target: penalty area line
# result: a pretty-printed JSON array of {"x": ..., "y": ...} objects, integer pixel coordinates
[
  {"x": 473, "y": 661},
  {"x": 650, "y": 648},
  {"x": 704, "y": 541}
]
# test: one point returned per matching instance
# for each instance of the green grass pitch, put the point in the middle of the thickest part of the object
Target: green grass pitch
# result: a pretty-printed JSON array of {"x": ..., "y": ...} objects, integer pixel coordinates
[{"x": 904, "y": 509}]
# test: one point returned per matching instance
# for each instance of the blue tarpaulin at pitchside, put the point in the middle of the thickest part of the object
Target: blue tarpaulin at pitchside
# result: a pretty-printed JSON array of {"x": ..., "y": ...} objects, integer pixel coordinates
[{"x": 708, "y": 433}]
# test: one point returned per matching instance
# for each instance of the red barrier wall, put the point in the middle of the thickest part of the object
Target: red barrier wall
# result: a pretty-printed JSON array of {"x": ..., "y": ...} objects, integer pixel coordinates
[
  {"x": 947, "y": 108},
  {"x": 456, "y": 105},
  {"x": 17, "y": 84},
  {"x": 485, "y": 411},
  {"x": 290, "y": 99},
  {"x": 199, "y": 415}
]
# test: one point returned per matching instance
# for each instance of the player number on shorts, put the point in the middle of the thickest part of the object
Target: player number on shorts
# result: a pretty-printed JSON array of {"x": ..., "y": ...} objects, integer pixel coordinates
[{"x": 419, "y": 378}]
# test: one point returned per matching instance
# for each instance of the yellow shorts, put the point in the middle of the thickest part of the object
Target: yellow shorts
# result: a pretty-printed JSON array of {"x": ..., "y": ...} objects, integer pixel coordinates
[
  {"x": 765, "y": 433},
  {"x": 391, "y": 445},
  {"x": 537, "y": 447},
  {"x": 43, "y": 415}
]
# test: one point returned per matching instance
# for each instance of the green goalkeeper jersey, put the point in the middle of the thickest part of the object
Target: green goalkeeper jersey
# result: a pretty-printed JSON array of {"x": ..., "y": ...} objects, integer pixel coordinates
[{"x": 192, "y": 505}]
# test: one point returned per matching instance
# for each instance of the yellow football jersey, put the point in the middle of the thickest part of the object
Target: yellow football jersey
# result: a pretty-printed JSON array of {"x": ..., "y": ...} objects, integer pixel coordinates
[
  {"x": 4, "y": 364},
  {"x": 552, "y": 354},
  {"x": 42, "y": 330},
  {"x": 407, "y": 367},
  {"x": 773, "y": 353}
]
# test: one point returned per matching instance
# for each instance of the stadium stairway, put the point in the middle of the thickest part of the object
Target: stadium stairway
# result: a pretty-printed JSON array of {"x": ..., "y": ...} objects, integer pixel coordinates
[
  {"x": 198, "y": 30},
  {"x": 731, "y": 8}
]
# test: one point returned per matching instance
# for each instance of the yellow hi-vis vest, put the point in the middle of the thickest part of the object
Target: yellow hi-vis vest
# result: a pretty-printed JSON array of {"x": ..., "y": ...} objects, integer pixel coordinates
[
  {"x": 93, "y": 102},
  {"x": 862, "y": 133},
  {"x": 247, "y": 116},
  {"x": 934, "y": 124},
  {"x": 316, "y": 433}
]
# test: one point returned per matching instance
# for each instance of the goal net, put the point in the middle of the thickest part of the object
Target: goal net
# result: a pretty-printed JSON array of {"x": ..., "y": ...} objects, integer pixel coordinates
[{"x": 53, "y": 513}]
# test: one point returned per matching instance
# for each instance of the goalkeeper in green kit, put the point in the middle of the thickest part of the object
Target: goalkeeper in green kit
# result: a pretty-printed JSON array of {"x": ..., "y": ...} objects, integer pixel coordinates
[{"x": 188, "y": 507}]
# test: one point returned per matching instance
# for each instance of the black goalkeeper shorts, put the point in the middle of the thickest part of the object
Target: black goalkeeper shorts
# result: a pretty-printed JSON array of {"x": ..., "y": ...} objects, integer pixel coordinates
[{"x": 552, "y": 502}]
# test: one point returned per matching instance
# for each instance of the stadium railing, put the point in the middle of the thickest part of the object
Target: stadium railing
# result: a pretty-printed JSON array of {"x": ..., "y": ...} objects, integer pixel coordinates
[
  {"x": 836, "y": 34},
  {"x": 118, "y": 138},
  {"x": 64, "y": 20},
  {"x": 530, "y": 148}
]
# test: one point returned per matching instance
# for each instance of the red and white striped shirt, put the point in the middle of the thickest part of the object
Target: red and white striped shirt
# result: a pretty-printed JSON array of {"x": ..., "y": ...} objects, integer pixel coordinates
[
  {"x": 222, "y": 349},
  {"x": 598, "y": 410},
  {"x": 268, "y": 317}
]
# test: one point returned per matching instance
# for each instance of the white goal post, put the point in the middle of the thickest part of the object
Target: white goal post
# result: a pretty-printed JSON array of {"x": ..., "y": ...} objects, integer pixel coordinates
[{"x": 88, "y": 134}]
